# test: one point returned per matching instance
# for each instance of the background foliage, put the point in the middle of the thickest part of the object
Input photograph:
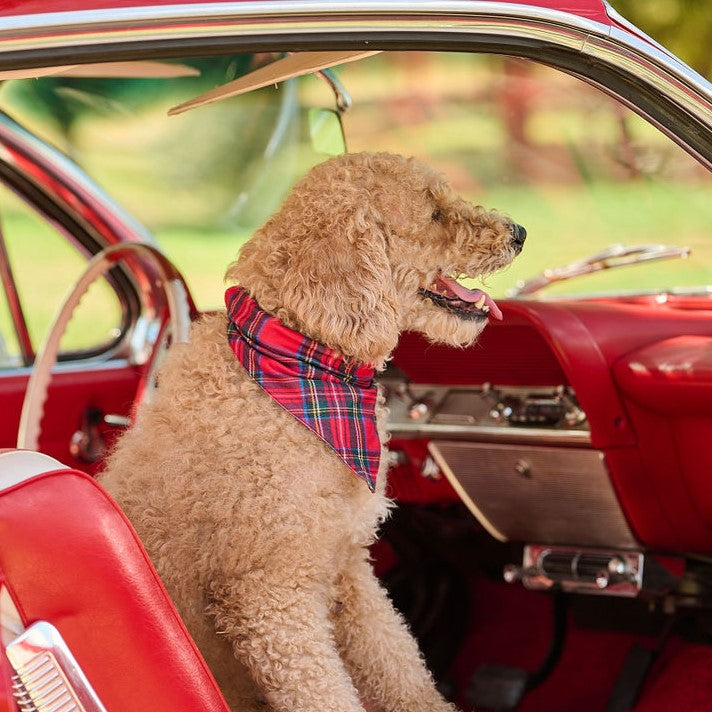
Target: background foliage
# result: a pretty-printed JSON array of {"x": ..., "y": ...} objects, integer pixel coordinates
[{"x": 683, "y": 26}]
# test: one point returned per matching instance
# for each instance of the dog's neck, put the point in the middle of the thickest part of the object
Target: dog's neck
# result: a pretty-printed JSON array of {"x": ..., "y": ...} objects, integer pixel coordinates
[
  {"x": 357, "y": 351},
  {"x": 333, "y": 397}
]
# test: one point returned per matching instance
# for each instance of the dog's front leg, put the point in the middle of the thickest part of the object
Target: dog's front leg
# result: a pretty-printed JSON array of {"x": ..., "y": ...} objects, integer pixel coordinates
[
  {"x": 380, "y": 653},
  {"x": 279, "y": 628}
]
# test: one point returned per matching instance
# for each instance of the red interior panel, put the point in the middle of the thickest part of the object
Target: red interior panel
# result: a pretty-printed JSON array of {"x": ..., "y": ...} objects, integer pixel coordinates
[
  {"x": 642, "y": 371},
  {"x": 670, "y": 375},
  {"x": 510, "y": 353},
  {"x": 71, "y": 393},
  {"x": 669, "y": 388}
]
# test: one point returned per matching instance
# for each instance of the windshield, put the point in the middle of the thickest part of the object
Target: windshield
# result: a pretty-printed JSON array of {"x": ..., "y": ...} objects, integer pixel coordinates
[{"x": 580, "y": 171}]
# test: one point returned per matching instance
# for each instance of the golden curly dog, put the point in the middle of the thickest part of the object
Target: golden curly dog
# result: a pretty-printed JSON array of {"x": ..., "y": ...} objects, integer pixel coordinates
[{"x": 258, "y": 529}]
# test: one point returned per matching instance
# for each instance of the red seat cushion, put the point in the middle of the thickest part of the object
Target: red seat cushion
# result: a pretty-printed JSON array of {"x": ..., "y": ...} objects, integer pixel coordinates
[{"x": 70, "y": 557}]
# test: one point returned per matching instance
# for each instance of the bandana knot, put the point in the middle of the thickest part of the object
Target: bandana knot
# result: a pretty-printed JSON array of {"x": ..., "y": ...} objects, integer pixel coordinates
[{"x": 335, "y": 398}]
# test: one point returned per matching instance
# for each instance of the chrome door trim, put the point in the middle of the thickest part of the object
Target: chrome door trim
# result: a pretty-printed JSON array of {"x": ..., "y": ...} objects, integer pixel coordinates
[
  {"x": 18, "y": 146},
  {"x": 92, "y": 364},
  {"x": 14, "y": 303},
  {"x": 87, "y": 216},
  {"x": 34, "y": 30}
]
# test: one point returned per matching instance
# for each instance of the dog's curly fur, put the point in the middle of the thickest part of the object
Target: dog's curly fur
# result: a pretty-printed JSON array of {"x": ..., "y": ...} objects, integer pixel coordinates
[{"x": 257, "y": 528}]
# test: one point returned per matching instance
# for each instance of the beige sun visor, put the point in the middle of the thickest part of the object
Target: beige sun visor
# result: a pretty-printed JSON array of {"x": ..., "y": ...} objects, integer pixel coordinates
[
  {"x": 107, "y": 70},
  {"x": 293, "y": 65}
]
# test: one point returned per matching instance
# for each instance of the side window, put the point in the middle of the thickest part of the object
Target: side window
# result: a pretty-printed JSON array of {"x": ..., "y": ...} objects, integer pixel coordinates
[
  {"x": 44, "y": 265},
  {"x": 578, "y": 169}
]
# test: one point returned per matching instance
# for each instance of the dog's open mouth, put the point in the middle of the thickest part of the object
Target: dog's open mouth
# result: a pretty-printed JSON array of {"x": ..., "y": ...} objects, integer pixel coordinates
[{"x": 446, "y": 293}]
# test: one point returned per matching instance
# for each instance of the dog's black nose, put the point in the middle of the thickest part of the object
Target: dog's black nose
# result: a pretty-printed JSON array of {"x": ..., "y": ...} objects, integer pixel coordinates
[{"x": 519, "y": 234}]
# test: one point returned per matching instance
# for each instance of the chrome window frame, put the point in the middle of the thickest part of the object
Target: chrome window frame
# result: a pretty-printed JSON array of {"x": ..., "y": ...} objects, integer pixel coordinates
[
  {"x": 64, "y": 196},
  {"x": 638, "y": 72}
]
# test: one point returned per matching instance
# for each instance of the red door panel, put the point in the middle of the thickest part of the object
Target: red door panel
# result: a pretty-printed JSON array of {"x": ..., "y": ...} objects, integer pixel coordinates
[{"x": 72, "y": 392}]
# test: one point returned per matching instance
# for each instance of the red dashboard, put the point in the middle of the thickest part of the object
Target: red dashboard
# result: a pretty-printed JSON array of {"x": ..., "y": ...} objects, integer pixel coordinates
[{"x": 641, "y": 371}]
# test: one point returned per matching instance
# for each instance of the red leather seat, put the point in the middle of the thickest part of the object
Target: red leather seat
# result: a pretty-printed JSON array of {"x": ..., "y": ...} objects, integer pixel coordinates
[{"x": 69, "y": 556}]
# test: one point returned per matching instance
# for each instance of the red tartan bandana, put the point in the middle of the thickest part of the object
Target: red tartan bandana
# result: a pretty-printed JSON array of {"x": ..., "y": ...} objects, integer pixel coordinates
[{"x": 334, "y": 398}]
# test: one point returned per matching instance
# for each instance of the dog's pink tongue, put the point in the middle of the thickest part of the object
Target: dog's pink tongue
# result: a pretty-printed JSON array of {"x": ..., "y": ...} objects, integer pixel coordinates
[{"x": 471, "y": 295}]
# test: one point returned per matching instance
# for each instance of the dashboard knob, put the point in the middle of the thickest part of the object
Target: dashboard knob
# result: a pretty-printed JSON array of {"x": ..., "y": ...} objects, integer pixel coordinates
[{"x": 419, "y": 410}]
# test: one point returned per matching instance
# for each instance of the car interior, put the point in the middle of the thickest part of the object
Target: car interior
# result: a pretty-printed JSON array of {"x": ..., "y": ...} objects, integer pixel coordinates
[{"x": 551, "y": 544}]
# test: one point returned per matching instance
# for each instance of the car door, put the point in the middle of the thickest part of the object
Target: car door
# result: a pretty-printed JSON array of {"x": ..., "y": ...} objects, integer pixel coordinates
[{"x": 53, "y": 219}]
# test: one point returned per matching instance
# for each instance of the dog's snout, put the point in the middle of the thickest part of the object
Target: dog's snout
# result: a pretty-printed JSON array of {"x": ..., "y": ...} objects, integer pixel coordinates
[{"x": 519, "y": 234}]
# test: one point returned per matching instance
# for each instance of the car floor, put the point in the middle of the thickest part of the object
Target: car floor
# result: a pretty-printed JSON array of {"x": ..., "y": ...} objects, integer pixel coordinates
[
  {"x": 512, "y": 626},
  {"x": 471, "y": 618}
]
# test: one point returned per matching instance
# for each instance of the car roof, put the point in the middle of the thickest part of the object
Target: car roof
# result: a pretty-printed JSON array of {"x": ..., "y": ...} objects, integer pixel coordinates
[{"x": 589, "y": 9}]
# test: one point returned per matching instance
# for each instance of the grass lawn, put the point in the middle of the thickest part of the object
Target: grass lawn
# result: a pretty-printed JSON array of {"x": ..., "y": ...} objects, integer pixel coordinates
[
  {"x": 194, "y": 180},
  {"x": 564, "y": 224}
]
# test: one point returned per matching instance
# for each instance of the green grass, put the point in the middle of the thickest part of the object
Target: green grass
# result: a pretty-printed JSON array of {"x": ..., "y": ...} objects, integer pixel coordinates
[
  {"x": 202, "y": 258},
  {"x": 45, "y": 267},
  {"x": 203, "y": 180},
  {"x": 564, "y": 224}
]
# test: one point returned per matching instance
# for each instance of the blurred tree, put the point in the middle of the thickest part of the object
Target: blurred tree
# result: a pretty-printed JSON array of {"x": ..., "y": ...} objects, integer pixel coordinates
[{"x": 683, "y": 26}]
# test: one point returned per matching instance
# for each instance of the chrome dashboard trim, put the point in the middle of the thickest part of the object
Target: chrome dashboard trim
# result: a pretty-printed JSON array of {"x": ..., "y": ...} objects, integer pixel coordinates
[
  {"x": 492, "y": 434},
  {"x": 464, "y": 413},
  {"x": 702, "y": 290}
]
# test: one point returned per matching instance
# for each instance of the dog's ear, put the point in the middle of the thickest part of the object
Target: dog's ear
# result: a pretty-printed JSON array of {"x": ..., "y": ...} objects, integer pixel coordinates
[
  {"x": 321, "y": 266},
  {"x": 338, "y": 284}
]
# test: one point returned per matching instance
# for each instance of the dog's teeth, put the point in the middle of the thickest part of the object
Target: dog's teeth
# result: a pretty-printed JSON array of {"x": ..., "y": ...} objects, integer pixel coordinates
[
  {"x": 480, "y": 302},
  {"x": 485, "y": 309}
]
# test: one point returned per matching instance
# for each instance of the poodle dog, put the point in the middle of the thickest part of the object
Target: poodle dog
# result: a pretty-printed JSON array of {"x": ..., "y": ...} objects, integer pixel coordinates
[{"x": 257, "y": 526}]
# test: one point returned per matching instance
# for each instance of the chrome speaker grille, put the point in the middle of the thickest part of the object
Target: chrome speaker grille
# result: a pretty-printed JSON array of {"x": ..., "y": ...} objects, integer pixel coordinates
[
  {"x": 47, "y": 677},
  {"x": 40, "y": 685},
  {"x": 547, "y": 495}
]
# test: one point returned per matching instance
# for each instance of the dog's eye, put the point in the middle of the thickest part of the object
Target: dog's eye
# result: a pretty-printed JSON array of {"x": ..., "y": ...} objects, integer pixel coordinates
[{"x": 437, "y": 215}]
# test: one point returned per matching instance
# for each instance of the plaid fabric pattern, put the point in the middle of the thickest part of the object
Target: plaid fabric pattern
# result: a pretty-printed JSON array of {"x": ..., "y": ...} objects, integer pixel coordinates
[{"x": 334, "y": 398}]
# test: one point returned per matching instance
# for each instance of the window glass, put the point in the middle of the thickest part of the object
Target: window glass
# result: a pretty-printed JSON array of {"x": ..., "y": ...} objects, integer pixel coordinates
[
  {"x": 202, "y": 182},
  {"x": 580, "y": 171},
  {"x": 45, "y": 266}
]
